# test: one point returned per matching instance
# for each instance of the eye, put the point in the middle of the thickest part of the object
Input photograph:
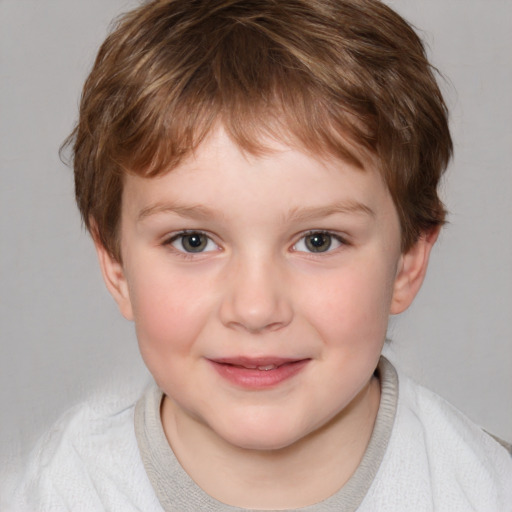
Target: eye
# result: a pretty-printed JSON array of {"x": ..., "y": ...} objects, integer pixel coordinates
[
  {"x": 192, "y": 242},
  {"x": 318, "y": 241}
]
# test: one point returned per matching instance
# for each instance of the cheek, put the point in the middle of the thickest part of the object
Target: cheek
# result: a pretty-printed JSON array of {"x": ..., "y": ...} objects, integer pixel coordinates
[
  {"x": 352, "y": 305},
  {"x": 170, "y": 313}
]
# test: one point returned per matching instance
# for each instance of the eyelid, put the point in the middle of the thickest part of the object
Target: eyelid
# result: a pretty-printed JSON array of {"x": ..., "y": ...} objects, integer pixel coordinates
[
  {"x": 172, "y": 237},
  {"x": 169, "y": 240},
  {"x": 334, "y": 235}
]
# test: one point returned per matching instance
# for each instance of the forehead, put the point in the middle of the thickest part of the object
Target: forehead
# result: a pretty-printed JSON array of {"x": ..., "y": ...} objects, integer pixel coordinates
[{"x": 282, "y": 182}]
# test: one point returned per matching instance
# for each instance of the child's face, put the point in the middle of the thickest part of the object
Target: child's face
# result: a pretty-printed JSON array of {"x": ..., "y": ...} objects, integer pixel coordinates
[{"x": 260, "y": 287}]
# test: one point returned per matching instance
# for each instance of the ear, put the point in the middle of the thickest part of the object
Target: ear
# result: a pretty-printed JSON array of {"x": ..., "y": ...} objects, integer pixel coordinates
[
  {"x": 412, "y": 268},
  {"x": 115, "y": 279}
]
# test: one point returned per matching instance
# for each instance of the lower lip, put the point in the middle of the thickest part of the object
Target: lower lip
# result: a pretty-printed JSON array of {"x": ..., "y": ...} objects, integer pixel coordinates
[{"x": 259, "y": 379}]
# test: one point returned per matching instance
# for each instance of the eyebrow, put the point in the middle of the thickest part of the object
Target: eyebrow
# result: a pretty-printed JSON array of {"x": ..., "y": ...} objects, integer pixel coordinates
[
  {"x": 194, "y": 211},
  {"x": 297, "y": 214},
  {"x": 317, "y": 212}
]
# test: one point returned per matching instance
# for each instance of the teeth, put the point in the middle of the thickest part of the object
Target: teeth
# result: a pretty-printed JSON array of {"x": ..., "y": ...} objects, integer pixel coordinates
[
  {"x": 267, "y": 367},
  {"x": 263, "y": 368}
]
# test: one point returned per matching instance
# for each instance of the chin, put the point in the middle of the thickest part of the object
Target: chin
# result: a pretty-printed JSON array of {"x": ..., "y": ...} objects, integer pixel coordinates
[
  {"x": 263, "y": 443},
  {"x": 259, "y": 436}
]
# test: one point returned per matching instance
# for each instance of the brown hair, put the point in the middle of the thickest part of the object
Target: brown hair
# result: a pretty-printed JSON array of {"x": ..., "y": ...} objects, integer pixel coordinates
[{"x": 327, "y": 74}]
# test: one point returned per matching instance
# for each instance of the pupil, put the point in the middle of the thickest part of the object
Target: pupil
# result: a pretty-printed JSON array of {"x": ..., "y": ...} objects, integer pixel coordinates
[
  {"x": 318, "y": 242},
  {"x": 194, "y": 243}
]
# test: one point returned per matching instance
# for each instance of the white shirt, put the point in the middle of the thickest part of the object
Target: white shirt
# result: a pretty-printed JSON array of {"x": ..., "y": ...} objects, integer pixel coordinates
[{"x": 423, "y": 455}]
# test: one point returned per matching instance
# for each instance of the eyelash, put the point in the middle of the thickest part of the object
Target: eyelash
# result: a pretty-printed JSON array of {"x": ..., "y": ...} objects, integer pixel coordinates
[
  {"x": 192, "y": 254},
  {"x": 181, "y": 235},
  {"x": 339, "y": 239}
]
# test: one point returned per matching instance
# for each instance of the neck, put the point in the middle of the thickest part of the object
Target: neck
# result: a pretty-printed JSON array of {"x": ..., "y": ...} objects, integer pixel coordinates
[{"x": 304, "y": 473}]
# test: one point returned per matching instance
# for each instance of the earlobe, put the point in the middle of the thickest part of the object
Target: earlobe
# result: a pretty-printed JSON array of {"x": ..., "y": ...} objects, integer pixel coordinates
[
  {"x": 115, "y": 279},
  {"x": 411, "y": 271}
]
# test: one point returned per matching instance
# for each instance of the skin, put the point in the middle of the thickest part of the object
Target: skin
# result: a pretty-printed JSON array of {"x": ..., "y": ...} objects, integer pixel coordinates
[{"x": 255, "y": 289}]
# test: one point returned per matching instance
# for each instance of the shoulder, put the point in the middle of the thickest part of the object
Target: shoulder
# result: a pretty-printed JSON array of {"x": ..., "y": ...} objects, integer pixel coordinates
[
  {"x": 443, "y": 458},
  {"x": 89, "y": 460},
  {"x": 444, "y": 426},
  {"x": 86, "y": 434}
]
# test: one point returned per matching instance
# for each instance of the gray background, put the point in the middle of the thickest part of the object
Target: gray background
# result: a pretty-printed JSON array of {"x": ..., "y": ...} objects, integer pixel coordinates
[{"x": 61, "y": 336}]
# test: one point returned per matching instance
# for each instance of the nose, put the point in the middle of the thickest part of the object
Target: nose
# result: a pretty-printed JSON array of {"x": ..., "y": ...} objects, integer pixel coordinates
[{"x": 256, "y": 296}]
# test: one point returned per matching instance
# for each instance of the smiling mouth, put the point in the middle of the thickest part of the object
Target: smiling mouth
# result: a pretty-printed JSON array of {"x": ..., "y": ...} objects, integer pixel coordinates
[
  {"x": 260, "y": 363},
  {"x": 258, "y": 373}
]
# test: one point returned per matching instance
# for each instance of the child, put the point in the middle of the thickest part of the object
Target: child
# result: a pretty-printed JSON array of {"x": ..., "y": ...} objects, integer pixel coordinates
[{"x": 260, "y": 181}]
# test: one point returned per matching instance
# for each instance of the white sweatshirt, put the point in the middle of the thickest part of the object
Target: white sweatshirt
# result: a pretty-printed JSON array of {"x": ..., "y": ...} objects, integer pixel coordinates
[{"x": 424, "y": 455}]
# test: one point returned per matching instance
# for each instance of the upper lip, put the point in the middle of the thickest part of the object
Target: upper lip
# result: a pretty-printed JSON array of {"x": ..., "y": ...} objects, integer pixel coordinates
[{"x": 256, "y": 362}]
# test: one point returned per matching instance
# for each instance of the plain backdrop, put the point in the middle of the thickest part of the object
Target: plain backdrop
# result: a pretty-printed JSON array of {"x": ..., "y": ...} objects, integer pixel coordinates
[{"x": 61, "y": 337}]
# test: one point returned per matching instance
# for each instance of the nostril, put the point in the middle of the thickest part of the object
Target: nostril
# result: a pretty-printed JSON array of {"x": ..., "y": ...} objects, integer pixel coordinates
[{"x": 255, "y": 299}]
